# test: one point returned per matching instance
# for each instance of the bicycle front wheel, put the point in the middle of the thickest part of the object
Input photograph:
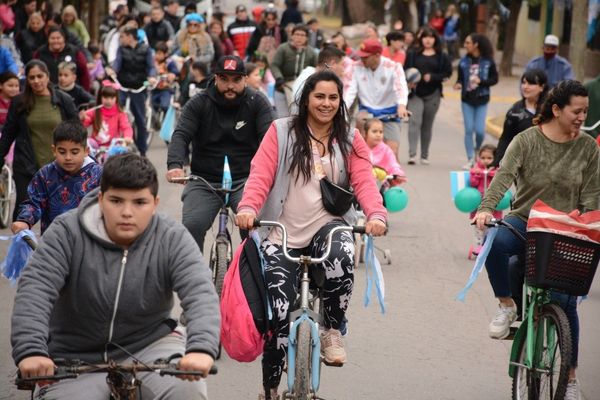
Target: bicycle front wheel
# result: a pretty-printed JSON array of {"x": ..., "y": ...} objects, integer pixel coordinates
[
  {"x": 548, "y": 377},
  {"x": 303, "y": 362},
  {"x": 4, "y": 199}
]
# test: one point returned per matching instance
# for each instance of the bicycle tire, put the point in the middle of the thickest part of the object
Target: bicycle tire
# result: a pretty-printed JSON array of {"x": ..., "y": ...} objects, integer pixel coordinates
[
  {"x": 220, "y": 265},
  {"x": 535, "y": 384},
  {"x": 4, "y": 200},
  {"x": 303, "y": 362}
]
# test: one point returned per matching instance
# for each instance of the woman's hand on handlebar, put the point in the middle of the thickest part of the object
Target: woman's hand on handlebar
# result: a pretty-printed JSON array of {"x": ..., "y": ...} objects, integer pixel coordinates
[
  {"x": 482, "y": 218},
  {"x": 245, "y": 220},
  {"x": 375, "y": 227},
  {"x": 175, "y": 173}
]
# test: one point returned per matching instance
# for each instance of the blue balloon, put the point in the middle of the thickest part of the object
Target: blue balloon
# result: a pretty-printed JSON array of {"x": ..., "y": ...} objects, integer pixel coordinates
[{"x": 467, "y": 200}]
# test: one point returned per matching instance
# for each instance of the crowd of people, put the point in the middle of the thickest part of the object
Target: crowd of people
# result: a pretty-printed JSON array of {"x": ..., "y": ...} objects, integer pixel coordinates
[{"x": 281, "y": 100}]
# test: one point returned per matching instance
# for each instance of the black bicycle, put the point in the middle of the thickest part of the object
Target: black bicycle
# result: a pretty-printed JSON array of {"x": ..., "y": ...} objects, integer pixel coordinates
[
  {"x": 221, "y": 252},
  {"x": 121, "y": 378}
]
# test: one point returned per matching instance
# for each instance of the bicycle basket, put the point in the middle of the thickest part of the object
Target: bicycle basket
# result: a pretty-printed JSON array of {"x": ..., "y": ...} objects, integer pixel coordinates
[{"x": 560, "y": 262}]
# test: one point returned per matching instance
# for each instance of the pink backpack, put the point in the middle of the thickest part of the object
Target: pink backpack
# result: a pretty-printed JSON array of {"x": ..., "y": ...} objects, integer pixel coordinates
[{"x": 244, "y": 309}]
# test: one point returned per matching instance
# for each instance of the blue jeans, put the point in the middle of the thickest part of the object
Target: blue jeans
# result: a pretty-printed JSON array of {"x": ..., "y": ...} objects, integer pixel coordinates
[
  {"x": 506, "y": 275},
  {"x": 138, "y": 109},
  {"x": 161, "y": 99},
  {"x": 474, "y": 121}
]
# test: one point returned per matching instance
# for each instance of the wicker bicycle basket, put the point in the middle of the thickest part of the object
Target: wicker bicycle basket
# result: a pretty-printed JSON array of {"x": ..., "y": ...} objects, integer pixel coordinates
[{"x": 560, "y": 262}]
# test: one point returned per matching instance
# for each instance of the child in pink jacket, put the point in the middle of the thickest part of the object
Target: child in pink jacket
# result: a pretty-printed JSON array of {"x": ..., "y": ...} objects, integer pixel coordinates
[
  {"x": 482, "y": 173},
  {"x": 108, "y": 120},
  {"x": 381, "y": 154}
]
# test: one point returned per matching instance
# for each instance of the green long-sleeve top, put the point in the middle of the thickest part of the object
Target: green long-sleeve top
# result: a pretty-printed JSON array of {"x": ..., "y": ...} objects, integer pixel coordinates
[{"x": 566, "y": 176}]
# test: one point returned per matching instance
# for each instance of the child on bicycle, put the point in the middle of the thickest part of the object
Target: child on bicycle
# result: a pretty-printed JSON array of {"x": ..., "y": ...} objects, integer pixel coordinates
[
  {"x": 117, "y": 242},
  {"x": 167, "y": 72},
  {"x": 480, "y": 177},
  {"x": 108, "y": 120},
  {"x": 381, "y": 154},
  {"x": 59, "y": 186},
  {"x": 67, "y": 77},
  {"x": 195, "y": 82}
]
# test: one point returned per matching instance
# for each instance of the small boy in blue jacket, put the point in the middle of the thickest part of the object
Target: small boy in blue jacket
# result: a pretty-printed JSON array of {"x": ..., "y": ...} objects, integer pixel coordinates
[{"x": 60, "y": 185}]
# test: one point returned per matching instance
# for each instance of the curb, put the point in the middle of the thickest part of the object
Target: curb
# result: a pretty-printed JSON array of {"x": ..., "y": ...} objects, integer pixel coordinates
[{"x": 494, "y": 126}]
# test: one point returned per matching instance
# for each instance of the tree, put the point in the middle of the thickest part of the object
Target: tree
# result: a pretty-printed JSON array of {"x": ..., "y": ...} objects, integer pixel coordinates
[
  {"x": 577, "y": 44},
  {"x": 510, "y": 35}
]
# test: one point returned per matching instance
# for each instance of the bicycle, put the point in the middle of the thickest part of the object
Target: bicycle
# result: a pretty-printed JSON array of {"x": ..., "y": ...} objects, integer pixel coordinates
[
  {"x": 590, "y": 128},
  {"x": 221, "y": 252},
  {"x": 149, "y": 109},
  {"x": 304, "y": 344},
  {"x": 121, "y": 377},
  {"x": 541, "y": 351},
  {"x": 7, "y": 188}
]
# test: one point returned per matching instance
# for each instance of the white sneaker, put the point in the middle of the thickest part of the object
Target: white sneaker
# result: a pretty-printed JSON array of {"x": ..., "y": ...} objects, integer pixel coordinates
[
  {"x": 412, "y": 160},
  {"x": 572, "y": 392},
  {"x": 500, "y": 326},
  {"x": 424, "y": 161},
  {"x": 468, "y": 165}
]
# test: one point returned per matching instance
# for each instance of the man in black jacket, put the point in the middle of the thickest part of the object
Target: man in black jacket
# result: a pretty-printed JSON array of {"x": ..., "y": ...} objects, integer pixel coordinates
[
  {"x": 134, "y": 66},
  {"x": 159, "y": 30},
  {"x": 227, "y": 119}
]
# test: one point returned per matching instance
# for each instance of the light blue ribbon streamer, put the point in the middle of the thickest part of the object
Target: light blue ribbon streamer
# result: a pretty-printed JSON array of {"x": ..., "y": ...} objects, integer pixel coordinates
[
  {"x": 479, "y": 263},
  {"x": 374, "y": 274},
  {"x": 17, "y": 256}
]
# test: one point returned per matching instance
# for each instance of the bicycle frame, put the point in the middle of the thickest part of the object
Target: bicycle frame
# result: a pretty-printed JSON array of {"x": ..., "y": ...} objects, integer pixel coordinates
[{"x": 528, "y": 331}]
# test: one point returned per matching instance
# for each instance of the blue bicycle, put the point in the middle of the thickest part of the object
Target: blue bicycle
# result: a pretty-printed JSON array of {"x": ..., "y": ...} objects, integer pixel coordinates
[{"x": 304, "y": 344}]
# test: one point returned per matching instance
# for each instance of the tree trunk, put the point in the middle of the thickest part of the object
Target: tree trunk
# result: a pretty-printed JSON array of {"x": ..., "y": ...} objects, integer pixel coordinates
[
  {"x": 509, "y": 39},
  {"x": 346, "y": 20},
  {"x": 577, "y": 45}
]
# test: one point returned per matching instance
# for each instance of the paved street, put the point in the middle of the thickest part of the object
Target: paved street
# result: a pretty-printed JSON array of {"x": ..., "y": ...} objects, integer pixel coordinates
[{"x": 427, "y": 346}]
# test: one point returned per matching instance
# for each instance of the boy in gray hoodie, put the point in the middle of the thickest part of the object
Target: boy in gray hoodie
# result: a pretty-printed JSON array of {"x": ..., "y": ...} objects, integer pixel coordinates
[{"x": 100, "y": 287}]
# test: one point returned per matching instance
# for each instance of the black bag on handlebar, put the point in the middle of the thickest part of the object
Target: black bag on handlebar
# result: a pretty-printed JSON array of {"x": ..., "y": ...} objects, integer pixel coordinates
[{"x": 336, "y": 199}]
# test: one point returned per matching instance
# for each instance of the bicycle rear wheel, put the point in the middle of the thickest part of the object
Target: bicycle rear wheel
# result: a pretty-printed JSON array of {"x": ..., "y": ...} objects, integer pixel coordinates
[
  {"x": 303, "y": 362},
  {"x": 552, "y": 358}
]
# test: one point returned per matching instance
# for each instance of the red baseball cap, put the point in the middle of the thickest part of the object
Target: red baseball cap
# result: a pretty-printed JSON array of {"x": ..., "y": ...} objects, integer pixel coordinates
[{"x": 369, "y": 47}]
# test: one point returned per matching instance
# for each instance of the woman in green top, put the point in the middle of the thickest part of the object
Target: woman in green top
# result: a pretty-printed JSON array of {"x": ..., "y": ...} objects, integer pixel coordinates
[
  {"x": 31, "y": 120},
  {"x": 72, "y": 22},
  {"x": 554, "y": 162}
]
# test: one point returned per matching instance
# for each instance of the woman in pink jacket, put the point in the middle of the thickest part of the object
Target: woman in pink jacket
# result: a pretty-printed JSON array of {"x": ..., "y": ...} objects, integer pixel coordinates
[
  {"x": 108, "y": 120},
  {"x": 284, "y": 186}
]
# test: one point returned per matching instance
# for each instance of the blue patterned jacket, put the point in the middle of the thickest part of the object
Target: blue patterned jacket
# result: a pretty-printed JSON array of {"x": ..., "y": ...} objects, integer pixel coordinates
[{"x": 52, "y": 191}]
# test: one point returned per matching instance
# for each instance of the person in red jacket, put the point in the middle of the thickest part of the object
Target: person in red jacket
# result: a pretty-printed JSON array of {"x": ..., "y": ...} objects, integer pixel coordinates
[{"x": 240, "y": 31}]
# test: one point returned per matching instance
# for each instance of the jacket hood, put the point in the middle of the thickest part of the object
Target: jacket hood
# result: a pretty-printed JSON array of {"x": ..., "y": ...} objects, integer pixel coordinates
[{"x": 91, "y": 220}]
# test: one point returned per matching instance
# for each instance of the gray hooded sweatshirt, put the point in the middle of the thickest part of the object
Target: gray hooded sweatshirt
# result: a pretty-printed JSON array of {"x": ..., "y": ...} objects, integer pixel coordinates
[{"x": 80, "y": 291}]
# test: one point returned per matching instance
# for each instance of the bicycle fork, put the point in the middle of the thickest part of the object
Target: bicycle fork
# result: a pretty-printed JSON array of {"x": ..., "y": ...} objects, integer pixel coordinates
[{"x": 304, "y": 313}]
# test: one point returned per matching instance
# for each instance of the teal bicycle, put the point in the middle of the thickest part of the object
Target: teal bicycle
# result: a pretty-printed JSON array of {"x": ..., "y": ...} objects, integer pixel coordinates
[
  {"x": 304, "y": 344},
  {"x": 541, "y": 352}
]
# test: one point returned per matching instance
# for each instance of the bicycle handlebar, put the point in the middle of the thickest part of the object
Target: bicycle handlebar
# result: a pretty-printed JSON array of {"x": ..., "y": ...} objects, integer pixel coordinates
[
  {"x": 590, "y": 128},
  {"x": 494, "y": 223},
  {"x": 308, "y": 260},
  {"x": 196, "y": 178},
  {"x": 76, "y": 368}
]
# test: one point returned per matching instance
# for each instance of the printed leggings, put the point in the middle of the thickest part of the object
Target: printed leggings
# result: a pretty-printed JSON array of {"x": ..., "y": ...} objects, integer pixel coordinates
[{"x": 282, "y": 277}]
